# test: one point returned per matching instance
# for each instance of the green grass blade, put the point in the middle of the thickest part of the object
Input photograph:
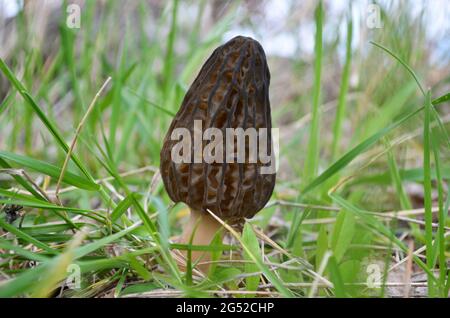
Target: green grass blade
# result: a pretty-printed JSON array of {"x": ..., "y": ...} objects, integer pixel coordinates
[
  {"x": 28, "y": 201},
  {"x": 121, "y": 208},
  {"x": 442, "y": 99},
  {"x": 322, "y": 245},
  {"x": 23, "y": 283},
  {"x": 91, "y": 247},
  {"x": 169, "y": 58},
  {"x": 378, "y": 226},
  {"x": 140, "y": 269},
  {"x": 249, "y": 237},
  {"x": 427, "y": 188},
  {"x": 405, "y": 203},
  {"x": 162, "y": 109},
  {"x": 360, "y": 148},
  {"x": 440, "y": 243},
  {"x": 408, "y": 68},
  {"x": 58, "y": 269},
  {"x": 336, "y": 278},
  {"x": 312, "y": 156},
  {"x": 343, "y": 231},
  {"x": 356, "y": 151},
  {"x": 278, "y": 284},
  {"x": 49, "y": 228},
  {"x": 117, "y": 112},
  {"x": 18, "y": 250},
  {"x": 341, "y": 107},
  {"x": 20, "y": 180},
  {"x": 45, "y": 120},
  {"x": 28, "y": 238},
  {"x": 50, "y": 170}
]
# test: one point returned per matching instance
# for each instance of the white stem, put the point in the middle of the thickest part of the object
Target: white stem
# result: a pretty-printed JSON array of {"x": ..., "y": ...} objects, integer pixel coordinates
[{"x": 202, "y": 228}]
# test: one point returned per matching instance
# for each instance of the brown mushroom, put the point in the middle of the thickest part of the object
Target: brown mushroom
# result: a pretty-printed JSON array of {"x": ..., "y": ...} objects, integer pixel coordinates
[{"x": 231, "y": 91}]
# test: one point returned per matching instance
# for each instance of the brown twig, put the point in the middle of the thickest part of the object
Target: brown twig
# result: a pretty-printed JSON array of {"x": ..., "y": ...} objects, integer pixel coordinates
[{"x": 77, "y": 133}]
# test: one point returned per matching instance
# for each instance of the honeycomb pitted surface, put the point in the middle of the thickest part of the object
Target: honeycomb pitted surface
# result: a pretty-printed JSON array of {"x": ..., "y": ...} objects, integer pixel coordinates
[{"x": 230, "y": 91}]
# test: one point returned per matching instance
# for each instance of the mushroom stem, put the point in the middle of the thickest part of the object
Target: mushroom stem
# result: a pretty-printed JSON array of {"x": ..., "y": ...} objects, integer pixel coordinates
[{"x": 202, "y": 228}]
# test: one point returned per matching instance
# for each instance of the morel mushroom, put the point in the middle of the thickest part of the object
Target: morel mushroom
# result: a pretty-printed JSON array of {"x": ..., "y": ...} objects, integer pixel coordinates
[{"x": 230, "y": 95}]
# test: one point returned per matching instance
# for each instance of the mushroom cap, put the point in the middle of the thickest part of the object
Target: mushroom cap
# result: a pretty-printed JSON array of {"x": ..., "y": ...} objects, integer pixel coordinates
[{"x": 230, "y": 91}]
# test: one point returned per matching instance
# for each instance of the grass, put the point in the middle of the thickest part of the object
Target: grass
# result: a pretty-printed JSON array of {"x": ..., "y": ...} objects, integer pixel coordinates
[
  {"x": 312, "y": 156},
  {"x": 364, "y": 164},
  {"x": 340, "y": 112}
]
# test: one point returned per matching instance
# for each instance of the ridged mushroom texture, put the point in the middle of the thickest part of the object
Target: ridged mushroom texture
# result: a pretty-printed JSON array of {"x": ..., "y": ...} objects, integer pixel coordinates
[{"x": 218, "y": 153}]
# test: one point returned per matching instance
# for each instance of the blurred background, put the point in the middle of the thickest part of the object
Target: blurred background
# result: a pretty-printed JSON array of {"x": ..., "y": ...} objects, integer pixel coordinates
[
  {"x": 161, "y": 48},
  {"x": 153, "y": 50}
]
